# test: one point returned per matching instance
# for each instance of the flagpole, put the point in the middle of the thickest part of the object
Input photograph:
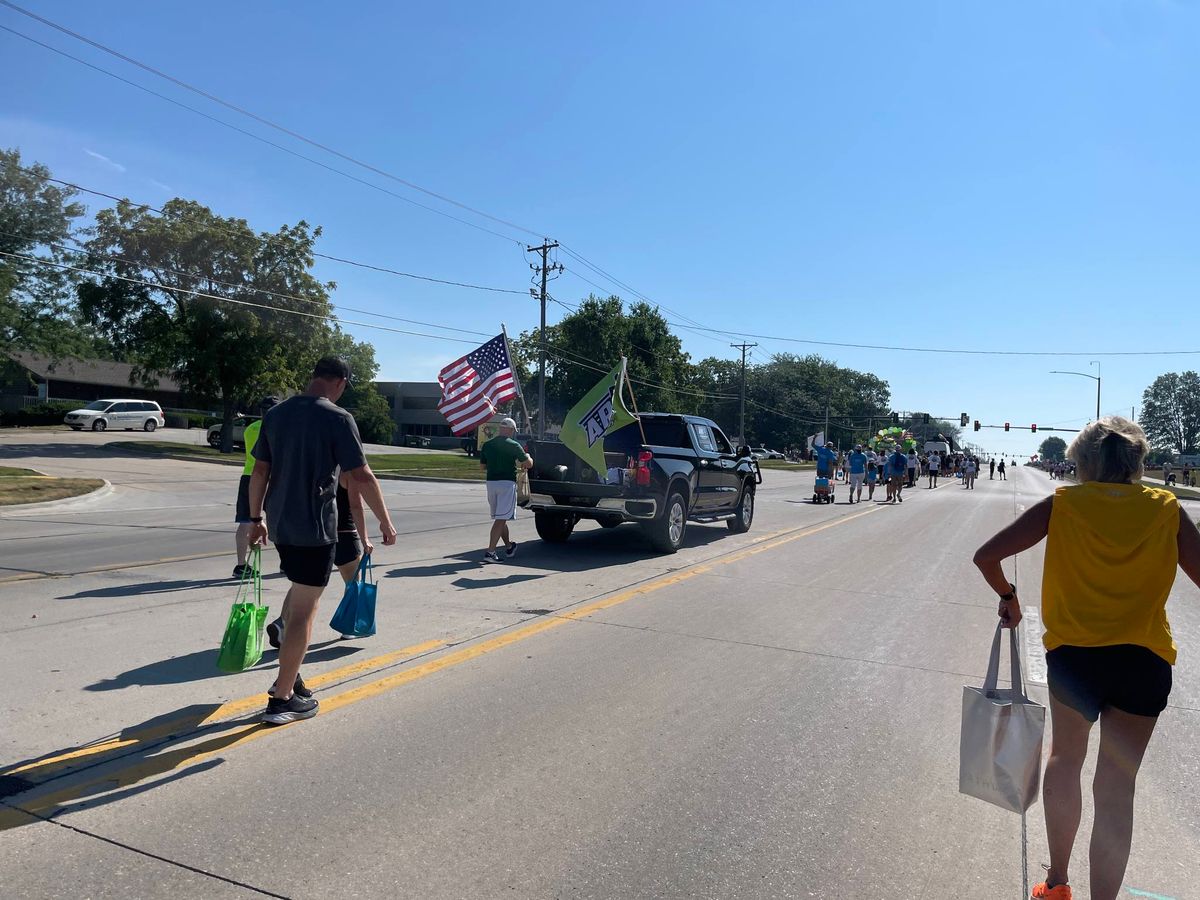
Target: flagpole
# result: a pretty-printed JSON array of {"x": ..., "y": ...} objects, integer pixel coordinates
[
  {"x": 637, "y": 415},
  {"x": 517, "y": 381}
]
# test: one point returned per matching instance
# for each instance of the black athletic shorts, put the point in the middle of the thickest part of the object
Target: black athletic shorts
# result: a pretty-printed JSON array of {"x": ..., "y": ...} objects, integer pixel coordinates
[
  {"x": 307, "y": 565},
  {"x": 349, "y": 548},
  {"x": 1127, "y": 677},
  {"x": 241, "y": 514}
]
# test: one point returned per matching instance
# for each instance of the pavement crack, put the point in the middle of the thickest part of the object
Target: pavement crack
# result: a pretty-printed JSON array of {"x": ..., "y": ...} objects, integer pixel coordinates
[{"x": 196, "y": 870}]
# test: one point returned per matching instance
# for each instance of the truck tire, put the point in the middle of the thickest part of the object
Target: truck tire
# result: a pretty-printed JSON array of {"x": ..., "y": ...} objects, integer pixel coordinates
[
  {"x": 553, "y": 528},
  {"x": 666, "y": 532},
  {"x": 743, "y": 516}
]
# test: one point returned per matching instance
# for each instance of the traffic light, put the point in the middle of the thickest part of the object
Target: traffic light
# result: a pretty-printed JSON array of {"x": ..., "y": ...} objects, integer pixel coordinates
[
  {"x": 925, "y": 419},
  {"x": 1033, "y": 428},
  {"x": 1006, "y": 426},
  {"x": 895, "y": 418},
  {"x": 977, "y": 425},
  {"x": 963, "y": 419}
]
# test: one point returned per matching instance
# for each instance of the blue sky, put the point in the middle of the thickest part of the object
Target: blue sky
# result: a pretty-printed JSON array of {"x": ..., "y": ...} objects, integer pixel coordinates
[{"x": 971, "y": 176}]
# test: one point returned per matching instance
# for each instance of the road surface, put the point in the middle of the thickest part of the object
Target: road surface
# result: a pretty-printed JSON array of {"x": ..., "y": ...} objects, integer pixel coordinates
[{"x": 771, "y": 715}]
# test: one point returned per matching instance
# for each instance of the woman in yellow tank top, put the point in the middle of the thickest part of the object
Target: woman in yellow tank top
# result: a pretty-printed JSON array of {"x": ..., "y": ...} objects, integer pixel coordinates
[{"x": 1112, "y": 548}]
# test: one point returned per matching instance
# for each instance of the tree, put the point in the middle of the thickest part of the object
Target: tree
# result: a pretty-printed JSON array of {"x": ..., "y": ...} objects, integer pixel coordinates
[
  {"x": 369, "y": 407},
  {"x": 37, "y": 300},
  {"x": 921, "y": 432},
  {"x": 1171, "y": 412},
  {"x": 1053, "y": 449},
  {"x": 258, "y": 339},
  {"x": 588, "y": 342}
]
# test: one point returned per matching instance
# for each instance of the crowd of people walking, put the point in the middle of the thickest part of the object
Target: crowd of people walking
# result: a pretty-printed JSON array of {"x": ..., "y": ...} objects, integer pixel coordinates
[{"x": 897, "y": 469}]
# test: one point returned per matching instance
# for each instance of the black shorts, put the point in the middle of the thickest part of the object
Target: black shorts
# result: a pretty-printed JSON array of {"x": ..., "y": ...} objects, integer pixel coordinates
[
  {"x": 241, "y": 514},
  {"x": 349, "y": 548},
  {"x": 1127, "y": 677},
  {"x": 307, "y": 565}
]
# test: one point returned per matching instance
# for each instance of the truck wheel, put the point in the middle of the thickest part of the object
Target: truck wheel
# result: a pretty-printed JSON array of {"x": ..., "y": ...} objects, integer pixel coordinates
[
  {"x": 553, "y": 528},
  {"x": 744, "y": 514},
  {"x": 667, "y": 531}
]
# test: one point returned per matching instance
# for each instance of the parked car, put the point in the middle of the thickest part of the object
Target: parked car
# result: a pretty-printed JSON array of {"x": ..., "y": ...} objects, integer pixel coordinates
[
  {"x": 683, "y": 469},
  {"x": 128, "y": 415},
  {"x": 239, "y": 430},
  {"x": 764, "y": 453}
]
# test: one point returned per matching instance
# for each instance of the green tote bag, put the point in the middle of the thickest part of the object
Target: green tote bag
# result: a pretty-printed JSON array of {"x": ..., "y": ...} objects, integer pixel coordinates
[{"x": 242, "y": 645}]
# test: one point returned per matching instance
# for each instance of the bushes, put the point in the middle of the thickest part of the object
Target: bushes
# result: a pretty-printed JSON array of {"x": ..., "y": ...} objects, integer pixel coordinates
[{"x": 42, "y": 414}]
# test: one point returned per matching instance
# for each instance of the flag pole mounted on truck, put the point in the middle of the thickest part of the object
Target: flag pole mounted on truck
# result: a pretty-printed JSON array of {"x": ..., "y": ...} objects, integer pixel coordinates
[{"x": 516, "y": 380}]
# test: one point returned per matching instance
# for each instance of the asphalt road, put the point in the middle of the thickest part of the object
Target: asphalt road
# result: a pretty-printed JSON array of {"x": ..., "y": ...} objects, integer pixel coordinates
[{"x": 772, "y": 714}]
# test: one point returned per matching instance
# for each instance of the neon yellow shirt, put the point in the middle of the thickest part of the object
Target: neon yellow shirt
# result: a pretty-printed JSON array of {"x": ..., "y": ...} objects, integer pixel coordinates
[
  {"x": 1111, "y": 556},
  {"x": 250, "y": 438}
]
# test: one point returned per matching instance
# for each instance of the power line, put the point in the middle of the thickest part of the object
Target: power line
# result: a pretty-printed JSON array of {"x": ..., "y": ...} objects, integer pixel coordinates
[
  {"x": 193, "y": 293},
  {"x": 337, "y": 259},
  {"x": 257, "y": 137},
  {"x": 263, "y": 120},
  {"x": 241, "y": 287}
]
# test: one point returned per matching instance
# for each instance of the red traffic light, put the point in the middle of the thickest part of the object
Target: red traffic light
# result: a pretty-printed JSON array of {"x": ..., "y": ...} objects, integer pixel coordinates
[
  {"x": 1006, "y": 426},
  {"x": 977, "y": 425},
  {"x": 1033, "y": 428}
]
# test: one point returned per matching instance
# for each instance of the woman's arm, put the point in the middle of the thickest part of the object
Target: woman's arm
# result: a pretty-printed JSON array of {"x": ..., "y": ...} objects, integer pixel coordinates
[
  {"x": 1022, "y": 534},
  {"x": 1189, "y": 546}
]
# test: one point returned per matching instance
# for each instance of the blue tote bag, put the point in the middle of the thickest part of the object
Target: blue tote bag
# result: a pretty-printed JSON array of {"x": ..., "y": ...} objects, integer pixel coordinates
[{"x": 355, "y": 615}]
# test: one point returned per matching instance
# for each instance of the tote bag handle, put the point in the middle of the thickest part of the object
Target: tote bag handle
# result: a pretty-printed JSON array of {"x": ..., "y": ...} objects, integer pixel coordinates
[{"x": 993, "y": 670}]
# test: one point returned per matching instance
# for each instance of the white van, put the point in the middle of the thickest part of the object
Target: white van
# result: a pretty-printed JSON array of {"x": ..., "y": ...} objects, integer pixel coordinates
[{"x": 129, "y": 415}]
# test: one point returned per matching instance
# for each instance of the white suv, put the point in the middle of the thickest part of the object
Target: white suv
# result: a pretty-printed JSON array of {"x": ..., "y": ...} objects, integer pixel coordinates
[{"x": 129, "y": 415}]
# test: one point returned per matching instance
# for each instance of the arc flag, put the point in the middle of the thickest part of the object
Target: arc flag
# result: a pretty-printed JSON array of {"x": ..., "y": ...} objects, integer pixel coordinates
[{"x": 600, "y": 412}]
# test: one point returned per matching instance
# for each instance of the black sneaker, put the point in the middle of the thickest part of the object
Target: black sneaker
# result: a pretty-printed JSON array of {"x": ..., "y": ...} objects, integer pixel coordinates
[
  {"x": 295, "y": 708},
  {"x": 275, "y": 633},
  {"x": 489, "y": 556},
  {"x": 300, "y": 689},
  {"x": 239, "y": 570},
  {"x": 511, "y": 550}
]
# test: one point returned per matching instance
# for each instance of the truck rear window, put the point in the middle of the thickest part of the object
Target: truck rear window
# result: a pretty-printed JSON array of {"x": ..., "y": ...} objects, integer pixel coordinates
[{"x": 659, "y": 433}]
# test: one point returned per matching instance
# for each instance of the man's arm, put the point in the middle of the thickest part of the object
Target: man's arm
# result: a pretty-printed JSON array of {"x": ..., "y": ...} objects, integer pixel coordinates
[
  {"x": 364, "y": 483},
  {"x": 258, "y": 493}
]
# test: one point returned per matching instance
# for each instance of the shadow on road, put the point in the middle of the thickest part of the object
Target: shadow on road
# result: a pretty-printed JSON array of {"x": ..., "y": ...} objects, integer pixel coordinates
[
  {"x": 202, "y": 665},
  {"x": 151, "y": 587},
  {"x": 472, "y": 583}
]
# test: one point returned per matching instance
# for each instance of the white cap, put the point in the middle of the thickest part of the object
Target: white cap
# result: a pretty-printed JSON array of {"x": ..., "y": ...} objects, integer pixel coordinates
[{"x": 508, "y": 423}]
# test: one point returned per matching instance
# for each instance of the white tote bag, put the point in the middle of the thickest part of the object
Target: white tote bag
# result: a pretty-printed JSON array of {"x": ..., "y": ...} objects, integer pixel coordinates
[{"x": 1000, "y": 751}]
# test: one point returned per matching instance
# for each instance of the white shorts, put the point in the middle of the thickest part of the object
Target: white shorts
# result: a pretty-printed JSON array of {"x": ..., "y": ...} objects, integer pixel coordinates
[
  {"x": 502, "y": 499},
  {"x": 856, "y": 479}
]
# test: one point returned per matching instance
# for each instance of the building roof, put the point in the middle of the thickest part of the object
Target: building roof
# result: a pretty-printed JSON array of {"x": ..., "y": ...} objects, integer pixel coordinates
[{"x": 101, "y": 372}]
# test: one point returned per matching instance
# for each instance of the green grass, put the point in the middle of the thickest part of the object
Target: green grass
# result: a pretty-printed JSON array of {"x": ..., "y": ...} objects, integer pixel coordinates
[
  {"x": 10, "y": 472},
  {"x": 40, "y": 488},
  {"x": 427, "y": 465},
  {"x": 786, "y": 466}
]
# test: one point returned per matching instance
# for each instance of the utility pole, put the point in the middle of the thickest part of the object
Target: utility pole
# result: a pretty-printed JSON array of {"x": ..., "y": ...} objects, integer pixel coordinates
[
  {"x": 544, "y": 270},
  {"x": 742, "y": 427}
]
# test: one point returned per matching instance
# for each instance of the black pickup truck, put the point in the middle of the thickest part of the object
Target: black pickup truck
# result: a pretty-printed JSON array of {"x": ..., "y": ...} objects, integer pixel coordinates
[{"x": 684, "y": 470}]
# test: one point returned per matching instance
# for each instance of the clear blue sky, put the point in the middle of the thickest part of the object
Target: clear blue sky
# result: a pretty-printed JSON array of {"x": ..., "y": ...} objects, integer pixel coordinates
[{"x": 1016, "y": 176}]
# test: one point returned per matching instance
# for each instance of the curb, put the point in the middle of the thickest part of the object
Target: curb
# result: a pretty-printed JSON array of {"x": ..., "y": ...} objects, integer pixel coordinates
[{"x": 103, "y": 491}]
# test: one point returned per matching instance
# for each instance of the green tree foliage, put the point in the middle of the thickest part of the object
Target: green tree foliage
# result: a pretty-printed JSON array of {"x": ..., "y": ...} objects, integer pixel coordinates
[
  {"x": 1171, "y": 412},
  {"x": 37, "y": 301},
  {"x": 1053, "y": 449},
  {"x": 369, "y": 407},
  {"x": 228, "y": 351},
  {"x": 596, "y": 336}
]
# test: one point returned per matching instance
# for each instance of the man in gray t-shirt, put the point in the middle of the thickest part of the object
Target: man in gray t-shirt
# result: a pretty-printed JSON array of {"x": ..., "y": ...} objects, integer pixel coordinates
[{"x": 305, "y": 445}]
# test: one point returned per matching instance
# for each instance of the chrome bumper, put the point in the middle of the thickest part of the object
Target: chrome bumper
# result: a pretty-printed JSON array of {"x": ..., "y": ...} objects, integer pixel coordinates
[{"x": 626, "y": 508}]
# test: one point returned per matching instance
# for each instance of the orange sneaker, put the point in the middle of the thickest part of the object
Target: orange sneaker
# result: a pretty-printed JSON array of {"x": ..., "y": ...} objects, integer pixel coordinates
[{"x": 1043, "y": 892}]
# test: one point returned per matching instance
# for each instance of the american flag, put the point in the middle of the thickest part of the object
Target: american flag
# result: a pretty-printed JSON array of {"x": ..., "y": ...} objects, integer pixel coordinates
[{"x": 475, "y": 384}]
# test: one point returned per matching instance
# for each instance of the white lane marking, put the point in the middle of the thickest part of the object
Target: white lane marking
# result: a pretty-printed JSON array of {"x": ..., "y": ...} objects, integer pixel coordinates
[{"x": 1035, "y": 657}]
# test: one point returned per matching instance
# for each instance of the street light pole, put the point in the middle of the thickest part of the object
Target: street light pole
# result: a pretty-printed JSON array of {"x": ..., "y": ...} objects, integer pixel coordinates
[{"x": 1095, "y": 378}]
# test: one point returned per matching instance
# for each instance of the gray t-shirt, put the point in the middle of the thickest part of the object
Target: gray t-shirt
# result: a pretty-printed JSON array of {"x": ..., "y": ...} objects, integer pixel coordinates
[{"x": 309, "y": 442}]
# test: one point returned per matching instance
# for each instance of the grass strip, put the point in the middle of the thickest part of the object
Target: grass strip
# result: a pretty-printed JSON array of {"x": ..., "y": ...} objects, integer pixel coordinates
[
  {"x": 786, "y": 466},
  {"x": 39, "y": 489},
  {"x": 10, "y": 472},
  {"x": 171, "y": 448},
  {"x": 427, "y": 465}
]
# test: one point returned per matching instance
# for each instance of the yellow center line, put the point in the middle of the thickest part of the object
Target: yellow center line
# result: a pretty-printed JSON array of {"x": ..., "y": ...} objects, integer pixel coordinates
[{"x": 191, "y": 755}]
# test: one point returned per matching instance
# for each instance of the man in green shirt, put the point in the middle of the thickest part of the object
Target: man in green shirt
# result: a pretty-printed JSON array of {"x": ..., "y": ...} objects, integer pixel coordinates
[
  {"x": 242, "y": 513},
  {"x": 501, "y": 457}
]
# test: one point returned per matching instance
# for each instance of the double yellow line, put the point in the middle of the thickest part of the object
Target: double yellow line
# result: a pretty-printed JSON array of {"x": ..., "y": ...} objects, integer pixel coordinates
[{"x": 63, "y": 765}]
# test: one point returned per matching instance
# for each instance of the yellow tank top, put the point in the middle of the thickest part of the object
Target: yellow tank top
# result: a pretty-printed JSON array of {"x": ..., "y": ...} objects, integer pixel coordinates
[{"x": 1111, "y": 556}]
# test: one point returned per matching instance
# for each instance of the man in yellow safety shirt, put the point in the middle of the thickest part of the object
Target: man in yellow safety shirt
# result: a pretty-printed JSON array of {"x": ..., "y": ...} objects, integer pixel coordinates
[{"x": 242, "y": 514}]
